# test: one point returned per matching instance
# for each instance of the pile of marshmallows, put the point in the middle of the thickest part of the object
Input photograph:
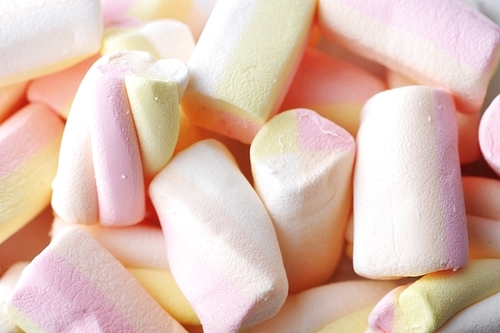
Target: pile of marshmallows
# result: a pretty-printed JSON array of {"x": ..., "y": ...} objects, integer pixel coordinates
[{"x": 222, "y": 172}]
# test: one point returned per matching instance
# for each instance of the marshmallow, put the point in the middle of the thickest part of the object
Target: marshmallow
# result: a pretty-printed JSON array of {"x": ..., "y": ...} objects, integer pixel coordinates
[
  {"x": 42, "y": 37},
  {"x": 137, "y": 246},
  {"x": 481, "y": 316},
  {"x": 430, "y": 301},
  {"x": 314, "y": 308},
  {"x": 302, "y": 169},
  {"x": 468, "y": 124},
  {"x": 83, "y": 288},
  {"x": 238, "y": 79},
  {"x": 57, "y": 90},
  {"x": 483, "y": 218},
  {"x": 30, "y": 142},
  {"x": 409, "y": 214},
  {"x": 160, "y": 284},
  {"x": 7, "y": 284},
  {"x": 186, "y": 11},
  {"x": 164, "y": 39},
  {"x": 106, "y": 140},
  {"x": 489, "y": 140},
  {"x": 416, "y": 38},
  {"x": 12, "y": 99},
  {"x": 221, "y": 245},
  {"x": 335, "y": 89},
  {"x": 356, "y": 321}
]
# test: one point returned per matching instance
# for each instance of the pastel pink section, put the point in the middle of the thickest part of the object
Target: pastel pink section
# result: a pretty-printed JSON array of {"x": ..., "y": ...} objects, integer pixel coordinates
[
  {"x": 381, "y": 319},
  {"x": 58, "y": 298},
  {"x": 115, "y": 150},
  {"x": 489, "y": 135},
  {"x": 321, "y": 79},
  {"x": 24, "y": 134},
  {"x": 454, "y": 220},
  {"x": 312, "y": 126},
  {"x": 115, "y": 10},
  {"x": 449, "y": 25}
]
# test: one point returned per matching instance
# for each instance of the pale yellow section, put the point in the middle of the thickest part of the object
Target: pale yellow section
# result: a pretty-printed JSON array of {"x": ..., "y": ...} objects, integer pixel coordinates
[
  {"x": 26, "y": 192},
  {"x": 277, "y": 137},
  {"x": 160, "y": 284},
  {"x": 23, "y": 321},
  {"x": 147, "y": 10},
  {"x": 355, "y": 322},
  {"x": 346, "y": 115},
  {"x": 430, "y": 301},
  {"x": 126, "y": 39},
  {"x": 155, "y": 109},
  {"x": 261, "y": 63}
]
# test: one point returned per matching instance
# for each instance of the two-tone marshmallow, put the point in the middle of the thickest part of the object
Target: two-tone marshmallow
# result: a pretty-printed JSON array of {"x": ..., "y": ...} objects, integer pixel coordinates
[
  {"x": 409, "y": 213},
  {"x": 302, "y": 169}
]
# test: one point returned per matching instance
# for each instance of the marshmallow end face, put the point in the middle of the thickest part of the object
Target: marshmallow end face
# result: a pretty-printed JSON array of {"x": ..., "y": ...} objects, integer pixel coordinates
[{"x": 489, "y": 138}]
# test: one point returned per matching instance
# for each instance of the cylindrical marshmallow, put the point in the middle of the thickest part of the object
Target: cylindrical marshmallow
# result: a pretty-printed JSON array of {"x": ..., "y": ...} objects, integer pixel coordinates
[
  {"x": 416, "y": 38},
  {"x": 241, "y": 68},
  {"x": 221, "y": 245},
  {"x": 302, "y": 169},
  {"x": 42, "y": 37},
  {"x": 409, "y": 214},
  {"x": 489, "y": 136}
]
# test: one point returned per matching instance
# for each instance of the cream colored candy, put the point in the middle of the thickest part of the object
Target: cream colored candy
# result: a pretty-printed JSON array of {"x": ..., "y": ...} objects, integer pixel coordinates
[
  {"x": 355, "y": 322},
  {"x": 430, "y": 301},
  {"x": 483, "y": 217},
  {"x": 468, "y": 124},
  {"x": 302, "y": 169},
  {"x": 163, "y": 38},
  {"x": 7, "y": 283},
  {"x": 75, "y": 285},
  {"x": 221, "y": 245},
  {"x": 42, "y": 37},
  {"x": 314, "y": 308},
  {"x": 409, "y": 213},
  {"x": 416, "y": 38},
  {"x": 243, "y": 64},
  {"x": 489, "y": 140},
  {"x": 29, "y": 142}
]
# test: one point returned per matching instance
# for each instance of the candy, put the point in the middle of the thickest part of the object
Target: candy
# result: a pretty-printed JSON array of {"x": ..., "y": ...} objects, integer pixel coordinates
[
  {"x": 116, "y": 105},
  {"x": 429, "y": 302},
  {"x": 30, "y": 141},
  {"x": 297, "y": 158},
  {"x": 238, "y": 78},
  {"x": 8, "y": 282},
  {"x": 409, "y": 214},
  {"x": 164, "y": 39},
  {"x": 335, "y": 89},
  {"x": 11, "y": 99},
  {"x": 489, "y": 140},
  {"x": 312, "y": 309},
  {"x": 46, "y": 36},
  {"x": 416, "y": 38},
  {"x": 65, "y": 288},
  {"x": 220, "y": 242}
]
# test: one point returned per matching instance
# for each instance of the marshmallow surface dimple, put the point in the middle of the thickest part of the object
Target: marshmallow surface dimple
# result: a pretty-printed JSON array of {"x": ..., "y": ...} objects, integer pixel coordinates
[
  {"x": 75, "y": 285},
  {"x": 443, "y": 43},
  {"x": 243, "y": 63},
  {"x": 221, "y": 245},
  {"x": 302, "y": 169},
  {"x": 41, "y": 37},
  {"x": 409, "y": 213}
]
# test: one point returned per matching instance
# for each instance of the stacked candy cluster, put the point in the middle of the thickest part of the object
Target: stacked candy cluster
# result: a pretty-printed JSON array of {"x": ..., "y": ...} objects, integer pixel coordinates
[{"x": 264, "y": 166}]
